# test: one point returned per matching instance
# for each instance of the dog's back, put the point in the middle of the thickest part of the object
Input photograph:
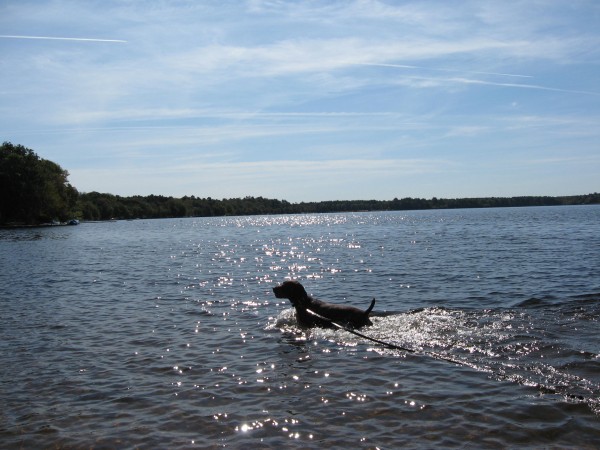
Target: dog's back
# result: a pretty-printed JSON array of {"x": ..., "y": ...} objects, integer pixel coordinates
[{"x": 341, "y": 314}]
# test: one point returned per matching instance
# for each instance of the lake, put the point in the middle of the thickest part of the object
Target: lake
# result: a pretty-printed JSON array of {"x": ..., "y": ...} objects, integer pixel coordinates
[{"x": 166, "y": 333}]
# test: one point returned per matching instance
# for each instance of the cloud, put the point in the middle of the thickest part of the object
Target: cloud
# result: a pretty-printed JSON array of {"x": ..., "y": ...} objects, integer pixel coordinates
[
  {"x": 298, "y": 56},
  {"x": 278, "y": 179}
]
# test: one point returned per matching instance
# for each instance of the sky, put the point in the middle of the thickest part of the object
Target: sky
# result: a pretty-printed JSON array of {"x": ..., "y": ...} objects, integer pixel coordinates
[{"x": 307, "y": 100}]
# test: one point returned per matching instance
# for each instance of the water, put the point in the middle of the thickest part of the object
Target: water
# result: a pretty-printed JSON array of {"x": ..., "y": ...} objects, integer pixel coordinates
[{"x": 166, "y": 334}]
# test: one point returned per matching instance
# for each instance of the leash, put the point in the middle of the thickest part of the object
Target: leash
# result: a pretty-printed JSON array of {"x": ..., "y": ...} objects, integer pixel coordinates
[
  {"x": 364, "y": 336},
  {"x": 388, "y": 344}
]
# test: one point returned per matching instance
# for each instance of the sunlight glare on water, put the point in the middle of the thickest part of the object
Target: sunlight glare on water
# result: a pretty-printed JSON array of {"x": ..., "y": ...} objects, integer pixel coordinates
[{"x": 166, "y": 333}]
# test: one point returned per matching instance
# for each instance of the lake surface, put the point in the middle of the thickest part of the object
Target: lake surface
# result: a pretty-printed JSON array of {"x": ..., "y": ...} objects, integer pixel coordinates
[{"x": 166, "y": 333}]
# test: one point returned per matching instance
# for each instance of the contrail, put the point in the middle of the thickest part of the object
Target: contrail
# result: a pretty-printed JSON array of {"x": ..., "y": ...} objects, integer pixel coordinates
[
  {"x": 523, "y": 86},
  {"x": 509, "y": 85},
  {"x": 403, "y": 66},
  {"x": 62, "y": 38}
]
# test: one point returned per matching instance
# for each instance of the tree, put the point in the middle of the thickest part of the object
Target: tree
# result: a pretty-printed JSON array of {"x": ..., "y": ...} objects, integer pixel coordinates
[{"x": 32, "y": 190}]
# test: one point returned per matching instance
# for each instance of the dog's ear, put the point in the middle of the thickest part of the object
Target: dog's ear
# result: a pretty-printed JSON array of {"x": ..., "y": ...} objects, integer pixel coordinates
[{"x": 301, "y": 289}]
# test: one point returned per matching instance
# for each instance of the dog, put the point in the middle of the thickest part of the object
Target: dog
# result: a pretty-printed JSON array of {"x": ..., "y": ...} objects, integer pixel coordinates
[{"x": 347, "y": 316}]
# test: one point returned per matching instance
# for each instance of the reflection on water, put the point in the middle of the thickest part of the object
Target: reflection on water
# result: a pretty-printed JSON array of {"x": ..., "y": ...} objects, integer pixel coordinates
[{"x": 166, "y": 333}]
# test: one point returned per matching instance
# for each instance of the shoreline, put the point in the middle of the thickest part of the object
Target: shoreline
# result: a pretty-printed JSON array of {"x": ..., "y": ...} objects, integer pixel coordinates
[{"x": 14, "y": 226}]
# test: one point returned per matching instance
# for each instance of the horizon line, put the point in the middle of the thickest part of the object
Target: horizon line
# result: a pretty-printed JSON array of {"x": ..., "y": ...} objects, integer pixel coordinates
[{"x": 492, "y": 197}]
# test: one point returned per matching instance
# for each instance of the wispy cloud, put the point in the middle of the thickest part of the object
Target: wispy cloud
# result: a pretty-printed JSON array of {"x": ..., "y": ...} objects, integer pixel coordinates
[
  {"x": 296, "y": 56},
  {"x": 237, "y": 179}
]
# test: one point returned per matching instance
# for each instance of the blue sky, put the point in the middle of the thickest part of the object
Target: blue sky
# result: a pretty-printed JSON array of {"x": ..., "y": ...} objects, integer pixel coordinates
[{"x": 307, "y": 100}]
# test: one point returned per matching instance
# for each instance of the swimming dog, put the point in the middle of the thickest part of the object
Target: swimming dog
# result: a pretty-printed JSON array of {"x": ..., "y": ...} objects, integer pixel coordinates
[{"x": 326, "y": 312}]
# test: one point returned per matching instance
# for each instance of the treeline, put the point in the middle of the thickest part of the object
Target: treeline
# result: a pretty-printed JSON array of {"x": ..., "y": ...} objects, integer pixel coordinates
[
  {"x": 96, "y": 206},
  {"x": 34, "y": 191}
]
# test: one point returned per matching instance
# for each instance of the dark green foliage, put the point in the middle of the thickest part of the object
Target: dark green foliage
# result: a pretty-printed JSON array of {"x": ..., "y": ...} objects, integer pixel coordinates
[
  {"x": 32, "y": 190},
  {"x": 95, "y": 206}
]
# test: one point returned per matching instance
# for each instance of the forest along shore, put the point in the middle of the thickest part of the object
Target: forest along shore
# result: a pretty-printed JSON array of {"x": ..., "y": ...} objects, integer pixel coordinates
[{"x": 36, "y": 192}]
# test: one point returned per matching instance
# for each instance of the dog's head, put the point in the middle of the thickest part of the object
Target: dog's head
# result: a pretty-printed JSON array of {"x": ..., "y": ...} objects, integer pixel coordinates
[{"x": 292, "y": 290}]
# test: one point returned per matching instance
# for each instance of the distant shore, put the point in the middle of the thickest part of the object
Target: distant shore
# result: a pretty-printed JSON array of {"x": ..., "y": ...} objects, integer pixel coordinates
[
  {"x": 97, "y": 206},
  {"x": 40, "y": 225}
]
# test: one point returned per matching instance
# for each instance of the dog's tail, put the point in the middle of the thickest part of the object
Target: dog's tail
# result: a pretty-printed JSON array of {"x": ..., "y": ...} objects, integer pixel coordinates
[{"x": 370, "y": 307}]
